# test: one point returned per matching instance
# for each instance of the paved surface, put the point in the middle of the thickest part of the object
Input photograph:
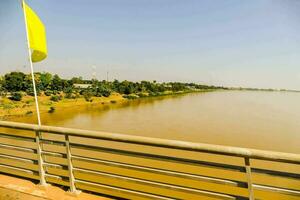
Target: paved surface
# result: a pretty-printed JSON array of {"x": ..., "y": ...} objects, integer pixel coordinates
[{"x": 12, "y": 188}]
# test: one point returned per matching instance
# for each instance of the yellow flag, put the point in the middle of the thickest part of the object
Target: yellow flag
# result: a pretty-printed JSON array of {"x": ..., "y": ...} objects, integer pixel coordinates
[{"x": 36, "y": 35}]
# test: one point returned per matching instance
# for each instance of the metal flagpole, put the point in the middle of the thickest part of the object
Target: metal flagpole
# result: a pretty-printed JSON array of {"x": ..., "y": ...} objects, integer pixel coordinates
[
  {"x": 31, "y": 67},
  {"x": 38, "y": 134}
]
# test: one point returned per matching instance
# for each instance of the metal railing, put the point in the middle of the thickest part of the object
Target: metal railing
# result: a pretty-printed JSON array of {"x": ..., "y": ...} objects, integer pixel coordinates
[{"x": 134, "y": 167}]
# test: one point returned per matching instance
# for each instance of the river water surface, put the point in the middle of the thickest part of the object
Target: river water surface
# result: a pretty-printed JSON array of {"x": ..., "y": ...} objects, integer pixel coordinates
[{"x": 262, "y": 120}]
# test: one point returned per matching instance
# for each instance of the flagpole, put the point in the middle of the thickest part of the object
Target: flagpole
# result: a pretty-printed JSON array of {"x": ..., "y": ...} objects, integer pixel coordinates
[{"x": 31, "y": 67}]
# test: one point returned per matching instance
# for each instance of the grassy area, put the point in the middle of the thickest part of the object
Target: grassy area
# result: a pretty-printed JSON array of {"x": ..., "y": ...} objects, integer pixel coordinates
[{"x": 27, "y": 105}]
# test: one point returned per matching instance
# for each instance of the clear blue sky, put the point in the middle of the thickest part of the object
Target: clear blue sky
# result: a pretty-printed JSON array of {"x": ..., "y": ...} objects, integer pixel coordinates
[{"x": 253, "y": 43}]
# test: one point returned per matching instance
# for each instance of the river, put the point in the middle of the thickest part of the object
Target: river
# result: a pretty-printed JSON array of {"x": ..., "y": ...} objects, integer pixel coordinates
[{"x": 253, "y": 119}]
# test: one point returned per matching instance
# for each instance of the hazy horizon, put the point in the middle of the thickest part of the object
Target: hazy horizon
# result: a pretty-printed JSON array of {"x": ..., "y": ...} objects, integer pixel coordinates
[{"x": 230, "y": 43}]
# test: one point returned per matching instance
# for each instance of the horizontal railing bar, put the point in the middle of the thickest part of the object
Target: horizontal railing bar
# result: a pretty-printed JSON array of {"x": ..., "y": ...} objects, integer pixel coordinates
[
  {"x": 277, "y": 189},
  {"x": 19, "y": 169},
  {"x": 276, "y": 173},
  {"x": 152, "y": 196},
  {"x": 46, "y": 164},
  {"x": 200, "y": 147},
  {"x": 7, "y": 146},
  {"x": 159, "y": 184},
  {"x": 54, "y": 154},
  {"x": 17, "y": 137},
  {"x": 64, "y": 177},
  {"x": 18, "y": 159},
  {"x": 56, "y": 180},
  {"x": 161, "y": 157},
  {"x": 54, "y": 176},
  {"x": 55, "y": 166},
  {"x": 60, "y": 178},
  {"x": 53, "y": 142},
  {"x": 164, "y": 172}
]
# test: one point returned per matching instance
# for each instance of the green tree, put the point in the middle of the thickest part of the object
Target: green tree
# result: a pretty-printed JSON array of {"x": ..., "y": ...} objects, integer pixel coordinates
[
  {"x": 52, "y": 85},
  {"x": 46, "y": 79},
  {"x": 14, "y": 81},
  {"x": 28, "y": 85},
  {"x": 57, "y": 83},
  {"x": 77, "y": 80},
  {"x": 3, "y": 91},
  {"x": 101, "y": 89}
]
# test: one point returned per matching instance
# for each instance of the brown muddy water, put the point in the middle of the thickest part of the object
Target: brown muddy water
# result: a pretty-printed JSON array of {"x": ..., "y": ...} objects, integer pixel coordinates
[
  {"x": 252, "y": 119},
  {"x": 261, "y": 120}
]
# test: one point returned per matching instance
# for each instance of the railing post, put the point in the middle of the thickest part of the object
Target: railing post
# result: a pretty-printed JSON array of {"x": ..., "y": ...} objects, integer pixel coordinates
[
  {"x": 249, "y": 178},
  {"x": 70, "y": 166},
  {"x": 40, "y": 159}
]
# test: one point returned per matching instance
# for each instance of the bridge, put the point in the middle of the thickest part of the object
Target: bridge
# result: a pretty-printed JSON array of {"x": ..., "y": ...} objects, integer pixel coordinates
[{"x": 134, "y": 167}]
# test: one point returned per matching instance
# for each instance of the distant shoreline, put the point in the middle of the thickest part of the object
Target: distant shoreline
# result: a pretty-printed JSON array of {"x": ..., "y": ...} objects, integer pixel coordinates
[
  {"x": 261, "y": 89},
  {"x": 26, "y": 106},
  {"x": 16, "y": 92}
]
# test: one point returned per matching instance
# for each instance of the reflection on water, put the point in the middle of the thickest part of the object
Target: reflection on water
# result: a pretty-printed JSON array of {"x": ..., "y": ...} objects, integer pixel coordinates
[{"x": 263, "y": 120}]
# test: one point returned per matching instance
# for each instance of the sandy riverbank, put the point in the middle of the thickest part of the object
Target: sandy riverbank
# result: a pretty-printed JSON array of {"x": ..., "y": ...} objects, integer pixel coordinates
[{"x": 26, "y": 106}]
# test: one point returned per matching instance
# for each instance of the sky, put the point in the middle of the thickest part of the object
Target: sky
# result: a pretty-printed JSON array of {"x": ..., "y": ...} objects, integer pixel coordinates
[{"x": 221, "y": 42}]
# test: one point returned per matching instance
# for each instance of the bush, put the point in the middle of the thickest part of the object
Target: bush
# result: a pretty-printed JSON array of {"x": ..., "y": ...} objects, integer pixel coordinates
[
  {"x": 68, "y": 95},
  {"x": 101, "y": 90},
  {"x": 143, "y": 95},
  {"x": 88, "y": 98},
  {"x": 51, "y": 110},
  {"x": 16, "y": 96},
  {"x": 69, "y": 91},
  {"x": 71, "y": 96},
  {"x": 29, "y": 112},
  {"x": 106, "y": 93},
  {"x": 131, "y": 96},
  {"x": 3, "y": 93},
  {"x": 29, "y": 101},
  {"x": 48, "y": 92},
  {"x": 154, "y": 94},
  {"x": 55, "y": 92},
  {"x": 31, "y": 93},
  {"x": 55, "y": 98},
  {"x": 88, "y": 95}
]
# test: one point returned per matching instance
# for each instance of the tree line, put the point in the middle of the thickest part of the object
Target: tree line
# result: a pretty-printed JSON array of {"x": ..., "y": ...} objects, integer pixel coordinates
[{"x": 16, "y": 84}]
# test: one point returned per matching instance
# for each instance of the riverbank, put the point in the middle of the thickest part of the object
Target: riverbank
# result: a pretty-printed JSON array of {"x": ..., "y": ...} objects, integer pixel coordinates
[
  {"x": 26, "y": 106},
  {"x": 10, "y": 108}
]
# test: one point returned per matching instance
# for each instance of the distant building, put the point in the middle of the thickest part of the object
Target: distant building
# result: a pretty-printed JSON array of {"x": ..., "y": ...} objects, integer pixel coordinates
[
  {"x": 82, "y": 86},
  {"x": 167, "y": 86}
]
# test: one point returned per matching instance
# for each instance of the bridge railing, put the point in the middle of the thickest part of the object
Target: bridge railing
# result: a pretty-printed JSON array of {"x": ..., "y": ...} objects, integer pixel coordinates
[{"x": 135, "y": 167}]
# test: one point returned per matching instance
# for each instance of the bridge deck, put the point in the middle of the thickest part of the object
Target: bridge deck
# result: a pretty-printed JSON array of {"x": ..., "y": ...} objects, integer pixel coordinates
[{"x": 12, "y": 188}]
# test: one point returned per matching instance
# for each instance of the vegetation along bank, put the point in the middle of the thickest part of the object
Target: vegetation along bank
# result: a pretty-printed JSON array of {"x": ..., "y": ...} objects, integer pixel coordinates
[{"x": 16, "y": 92}]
